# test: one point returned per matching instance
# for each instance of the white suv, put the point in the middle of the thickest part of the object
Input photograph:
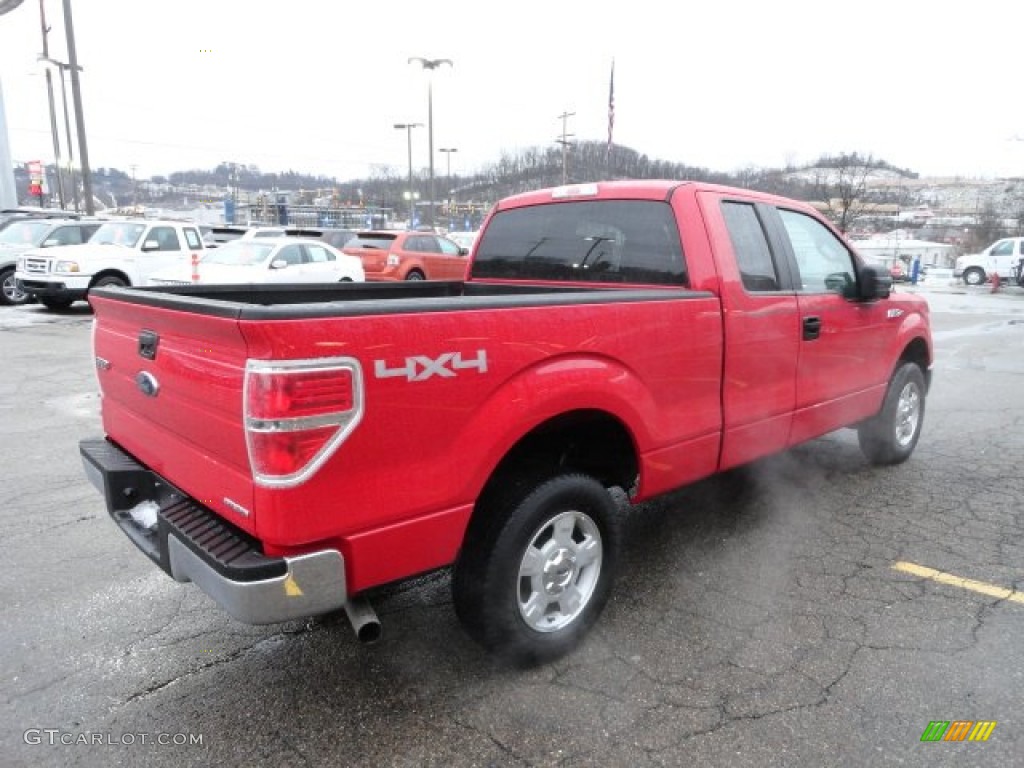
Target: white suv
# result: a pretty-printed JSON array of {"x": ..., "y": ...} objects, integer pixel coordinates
[{"x": 119, "y": 253}]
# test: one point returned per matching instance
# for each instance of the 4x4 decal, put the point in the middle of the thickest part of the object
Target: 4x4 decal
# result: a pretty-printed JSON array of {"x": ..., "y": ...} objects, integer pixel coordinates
[{"x": 421, "y": 367}]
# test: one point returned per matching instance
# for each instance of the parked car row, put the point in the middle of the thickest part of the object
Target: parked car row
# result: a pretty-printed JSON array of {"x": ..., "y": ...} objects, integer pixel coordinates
[
  {"x": 214, "y": 236},
  {"x": 267, "y": 260},
  {"x": 58, "y": 260}
]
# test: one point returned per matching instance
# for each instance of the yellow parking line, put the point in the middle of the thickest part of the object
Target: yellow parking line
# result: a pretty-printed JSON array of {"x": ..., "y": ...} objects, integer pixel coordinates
[{"x": 981, "y": 587}]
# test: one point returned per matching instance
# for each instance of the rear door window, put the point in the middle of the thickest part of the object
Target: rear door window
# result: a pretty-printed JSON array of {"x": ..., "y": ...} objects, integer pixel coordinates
[
  {"x": 607, "y": 241},
  {"x": 753, "y": 256}
]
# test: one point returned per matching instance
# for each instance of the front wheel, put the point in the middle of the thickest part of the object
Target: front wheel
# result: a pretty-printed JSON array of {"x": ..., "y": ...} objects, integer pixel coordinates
[
  {"x": 415, "y": 275},
  {"x": 890, "y": 436},
  {"x": 974, "y": 276},
  {"x": 537, "y": 569},
  {"x": 10, "y": 294}
]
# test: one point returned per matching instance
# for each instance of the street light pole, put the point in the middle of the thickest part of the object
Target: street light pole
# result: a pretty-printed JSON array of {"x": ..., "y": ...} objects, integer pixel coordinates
[
  {"x": 8, "y": 193},
  {"x": 407, "y": 127},
  {"x": 430, "y": 65},
  {"x": 448, "y": 153}
]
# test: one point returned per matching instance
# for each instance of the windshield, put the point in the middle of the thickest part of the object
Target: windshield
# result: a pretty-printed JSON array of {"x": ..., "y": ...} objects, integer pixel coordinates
[
  {"x": 239, "y": 253},
  {"x": 24, "y": 233},
  {"x": 124, "y": 233}
]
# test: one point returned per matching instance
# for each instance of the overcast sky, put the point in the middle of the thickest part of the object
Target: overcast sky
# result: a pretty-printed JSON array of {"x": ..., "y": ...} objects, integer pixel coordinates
[{"x": 317, "y": 85}]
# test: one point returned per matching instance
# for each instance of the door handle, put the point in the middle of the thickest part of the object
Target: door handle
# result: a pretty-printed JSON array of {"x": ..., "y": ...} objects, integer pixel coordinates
[{"x": 812, "y": 328}]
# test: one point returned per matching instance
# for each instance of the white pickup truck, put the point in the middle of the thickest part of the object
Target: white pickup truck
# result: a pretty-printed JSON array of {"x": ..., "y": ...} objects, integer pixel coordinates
[
  {"x": 1001, "y": 258},
  {"x": 119, "y": 253}
]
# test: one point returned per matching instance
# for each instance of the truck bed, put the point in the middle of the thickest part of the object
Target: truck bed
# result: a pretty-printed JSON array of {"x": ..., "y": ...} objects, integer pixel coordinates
[{"x": 254, "y": 302}]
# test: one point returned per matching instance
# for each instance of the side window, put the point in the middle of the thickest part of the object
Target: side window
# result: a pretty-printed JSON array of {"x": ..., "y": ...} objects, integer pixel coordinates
[
  {"x": 290, "y": 253},
  {"x": 1004, "y": 248},
  {"x": 824, "y": 263},
  {"x": 754, "y": 258},
  {"x": 421, "y": 244},
  {"x": 166, "y": 237},
  {"x": 192, "y": 238},
  {"x": 66, "y": 236},
  {"x": 318, "y": 254},
  {"x": 448, "y": 247}
]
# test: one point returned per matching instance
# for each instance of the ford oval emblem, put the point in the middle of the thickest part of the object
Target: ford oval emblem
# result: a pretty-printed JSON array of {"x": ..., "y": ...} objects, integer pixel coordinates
[{"x": 147, "y": 383}]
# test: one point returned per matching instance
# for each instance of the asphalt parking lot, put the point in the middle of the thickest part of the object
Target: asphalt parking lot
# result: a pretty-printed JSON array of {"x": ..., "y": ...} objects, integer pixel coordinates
[{"x": 809, "y": 610}]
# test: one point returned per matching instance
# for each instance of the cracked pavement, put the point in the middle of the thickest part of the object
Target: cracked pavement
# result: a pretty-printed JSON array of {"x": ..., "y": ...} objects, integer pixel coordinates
[{"x": 757, "y": 619}]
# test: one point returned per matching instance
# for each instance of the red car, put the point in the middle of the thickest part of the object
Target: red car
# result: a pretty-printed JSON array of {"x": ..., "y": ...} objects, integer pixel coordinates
[{"x": 408, "y": 256}]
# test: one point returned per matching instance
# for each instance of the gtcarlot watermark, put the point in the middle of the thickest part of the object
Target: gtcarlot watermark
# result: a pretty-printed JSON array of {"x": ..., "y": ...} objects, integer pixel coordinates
[{"x": 57, "y": 737}]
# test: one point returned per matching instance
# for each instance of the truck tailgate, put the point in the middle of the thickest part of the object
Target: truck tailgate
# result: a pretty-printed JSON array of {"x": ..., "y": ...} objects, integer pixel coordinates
[{"x": 171, "y": 385}]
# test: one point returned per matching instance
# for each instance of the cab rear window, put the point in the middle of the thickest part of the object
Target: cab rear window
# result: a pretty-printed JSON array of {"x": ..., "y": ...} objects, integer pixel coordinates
[{"x": 601, "y": 241}]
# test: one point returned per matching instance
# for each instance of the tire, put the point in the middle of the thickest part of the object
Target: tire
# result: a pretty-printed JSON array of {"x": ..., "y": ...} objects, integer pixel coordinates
[
  {"x": 110, "y": 280},
  {"x": 415, "y": 274},
  {"x": 537, "y": 569},
  {"x": 974, "y": 276},
  {"x": 890, "y": 436},
  {"x": 54, "y": 304},
  {"x": 10, "y": 294}
]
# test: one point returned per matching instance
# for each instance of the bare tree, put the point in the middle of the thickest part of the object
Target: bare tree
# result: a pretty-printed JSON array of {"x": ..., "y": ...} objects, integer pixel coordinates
[{"x": 841, "y": 183}]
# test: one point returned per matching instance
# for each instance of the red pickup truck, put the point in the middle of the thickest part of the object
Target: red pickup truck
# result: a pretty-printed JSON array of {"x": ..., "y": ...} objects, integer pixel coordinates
[{"x": 290, "y": 448}]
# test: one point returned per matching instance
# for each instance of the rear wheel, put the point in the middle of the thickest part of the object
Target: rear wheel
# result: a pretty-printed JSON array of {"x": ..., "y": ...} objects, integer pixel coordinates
[
  {"x": 890, "y": 436},
  {"x": 537, "y": 569},
  {"x": 10, "y": 294},
  {"x": 974, "y": 276},
  {"x": 415, "y": 274}
]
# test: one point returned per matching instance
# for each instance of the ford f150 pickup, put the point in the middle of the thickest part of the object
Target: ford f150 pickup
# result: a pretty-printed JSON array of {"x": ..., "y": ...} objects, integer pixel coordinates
[{"x": 291, "y": 448}]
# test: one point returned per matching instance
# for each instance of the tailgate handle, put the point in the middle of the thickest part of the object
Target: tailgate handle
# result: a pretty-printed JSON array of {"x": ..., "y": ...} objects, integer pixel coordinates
[{"x": 148, "y": 342}]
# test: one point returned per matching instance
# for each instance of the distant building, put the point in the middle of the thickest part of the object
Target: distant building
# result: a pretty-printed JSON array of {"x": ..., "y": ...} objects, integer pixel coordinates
[{"x": 888, "y": 249}]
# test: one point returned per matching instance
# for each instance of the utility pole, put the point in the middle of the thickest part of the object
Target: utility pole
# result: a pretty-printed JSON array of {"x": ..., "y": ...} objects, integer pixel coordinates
[
  {"x": 53, "y": 111},
  {"x": 135, "y": 188},
  {"x": 564, "y": 141},
  {"x": 76, "y": 95}
]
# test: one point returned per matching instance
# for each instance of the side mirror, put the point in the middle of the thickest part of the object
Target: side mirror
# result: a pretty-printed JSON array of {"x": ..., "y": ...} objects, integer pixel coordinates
[
  {"x": 278, "y": 264},
  {"x": 463, "y": 251},
  {"x": 873, "y": 283},
  {"x": 50, "y": 243},
  {"x": 151, "y": 245}
]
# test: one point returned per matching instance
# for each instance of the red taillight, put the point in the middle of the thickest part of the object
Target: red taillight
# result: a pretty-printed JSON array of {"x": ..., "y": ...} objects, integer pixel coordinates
[
  {"x": 297, "y": 412},
  {"x": 299, "y": 393}
]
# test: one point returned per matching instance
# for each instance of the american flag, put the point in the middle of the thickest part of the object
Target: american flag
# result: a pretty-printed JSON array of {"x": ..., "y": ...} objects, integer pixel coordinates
[{"x": 611, "y": 109}]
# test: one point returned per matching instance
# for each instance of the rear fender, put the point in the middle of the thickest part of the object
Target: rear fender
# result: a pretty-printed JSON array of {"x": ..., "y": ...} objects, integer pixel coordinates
[{"x": 545, "y": 391}]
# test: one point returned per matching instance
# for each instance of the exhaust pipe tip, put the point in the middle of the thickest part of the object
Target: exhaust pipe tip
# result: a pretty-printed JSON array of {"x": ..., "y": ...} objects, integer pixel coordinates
[{"x": 364, "y": 620}]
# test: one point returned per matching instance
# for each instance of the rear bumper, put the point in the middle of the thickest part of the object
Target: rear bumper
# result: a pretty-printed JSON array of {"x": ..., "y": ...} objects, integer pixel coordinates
[{"x": 191, "y": 543}]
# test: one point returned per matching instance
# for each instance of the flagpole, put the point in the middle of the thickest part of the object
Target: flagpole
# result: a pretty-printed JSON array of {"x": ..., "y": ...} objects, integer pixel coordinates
[{"x": 611, "y": 118}]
